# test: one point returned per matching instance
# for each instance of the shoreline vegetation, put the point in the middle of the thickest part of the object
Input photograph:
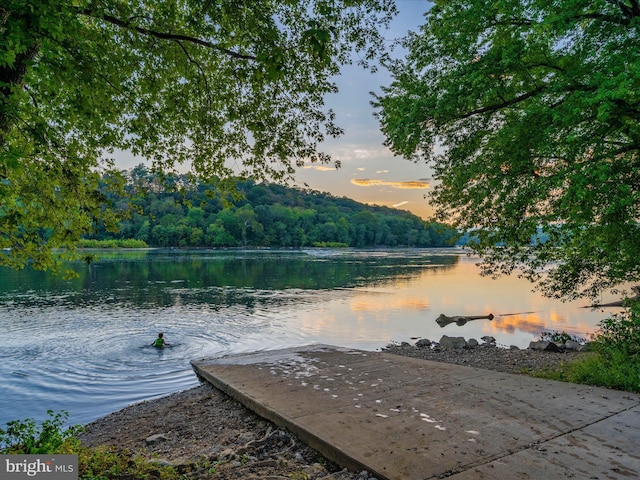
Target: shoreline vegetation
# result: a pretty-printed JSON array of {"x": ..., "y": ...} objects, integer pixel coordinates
[
  {"x": 141, "y": 244},
  {"x": 112, "y": 243},
  {"x": 201, "y": 433}
]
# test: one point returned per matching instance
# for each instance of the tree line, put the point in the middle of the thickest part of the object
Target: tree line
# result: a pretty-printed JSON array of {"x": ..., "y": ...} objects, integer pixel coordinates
[{"x": 179, "y": 212}]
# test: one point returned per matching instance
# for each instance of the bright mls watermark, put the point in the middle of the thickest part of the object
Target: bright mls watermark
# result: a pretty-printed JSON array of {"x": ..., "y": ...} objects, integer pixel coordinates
[{"x": 44, "y": 467}]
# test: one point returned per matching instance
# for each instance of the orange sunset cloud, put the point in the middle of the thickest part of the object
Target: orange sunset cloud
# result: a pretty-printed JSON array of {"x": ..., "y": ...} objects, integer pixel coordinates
[{"x": 367, "y": 182}]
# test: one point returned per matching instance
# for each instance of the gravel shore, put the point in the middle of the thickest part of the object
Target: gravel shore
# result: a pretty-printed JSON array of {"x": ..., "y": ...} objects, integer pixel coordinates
[{"x": 207, "y": 435}]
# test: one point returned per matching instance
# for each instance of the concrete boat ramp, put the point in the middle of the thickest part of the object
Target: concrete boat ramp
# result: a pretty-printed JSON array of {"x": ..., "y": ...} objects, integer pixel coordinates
[{"x": 406, "y": 418}]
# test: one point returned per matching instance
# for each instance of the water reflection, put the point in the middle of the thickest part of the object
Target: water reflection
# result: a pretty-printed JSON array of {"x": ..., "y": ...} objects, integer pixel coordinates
[
  {"x": 83, "y": 344},
  {"x": 174, "y": 277}
]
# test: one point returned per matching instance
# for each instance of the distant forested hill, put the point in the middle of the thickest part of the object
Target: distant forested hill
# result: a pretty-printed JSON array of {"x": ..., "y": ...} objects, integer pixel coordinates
[{"x": 181, "y": 213}]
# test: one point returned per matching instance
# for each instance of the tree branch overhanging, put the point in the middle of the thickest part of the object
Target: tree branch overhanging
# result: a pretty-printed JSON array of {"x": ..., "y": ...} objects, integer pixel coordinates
[
  {"x": 166, "y": 36},
  {"x": 500, "y": 106},
  {"x": 631, "y": 8}
]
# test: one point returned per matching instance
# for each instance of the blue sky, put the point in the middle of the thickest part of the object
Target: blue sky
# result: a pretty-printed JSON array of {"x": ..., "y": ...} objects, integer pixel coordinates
[{"x": 370, "y": 173}]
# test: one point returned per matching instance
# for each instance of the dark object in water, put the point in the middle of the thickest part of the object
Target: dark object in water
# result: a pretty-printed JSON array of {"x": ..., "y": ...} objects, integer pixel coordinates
[{"x": 460, "y": 320}]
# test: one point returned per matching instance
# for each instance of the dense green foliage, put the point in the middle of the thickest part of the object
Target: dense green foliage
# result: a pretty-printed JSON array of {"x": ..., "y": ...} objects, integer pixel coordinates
[
  {"x": 615, "y": 361},
  {"x": 529, "y": 112},
  {"x": 271, "y": 215},
  {"x": 26, "y": 437},
  {"x": 229, "y": 87}
]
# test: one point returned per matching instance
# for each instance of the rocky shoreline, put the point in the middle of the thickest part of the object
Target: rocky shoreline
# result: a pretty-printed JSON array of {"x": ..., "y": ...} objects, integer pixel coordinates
[
  {"x": 539, "y": 356},
  {"x": 205, "y": 434}
]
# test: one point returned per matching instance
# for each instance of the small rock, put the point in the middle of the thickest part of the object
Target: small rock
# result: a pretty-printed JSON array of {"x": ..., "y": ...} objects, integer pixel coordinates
[
  {"x": 488, "y": 339},
  {"x": 423, "y": 343},
  {"x": 537, "y": 345},
  {"x": 227, "y": 454},
  {"x": 554, "y": 347},
  {"x": 571, "y": 345},
  {"x": 315, "y": 470},
  {"x": 544, "y": 346},
  {"x": 158, "y": 437},
  {"x": 514, "y": 347},
  {"x": 246, "y": 437},
  {"x": 472, "y": 343},
  {"x": 584, "y": 348},
  {"x": 453, "y": 342}
]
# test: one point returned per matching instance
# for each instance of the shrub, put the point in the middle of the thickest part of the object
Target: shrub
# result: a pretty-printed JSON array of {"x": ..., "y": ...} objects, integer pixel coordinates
[
  {"x": 615, "y": 358},
  {"x": 25, "y": 437},
  {"x": 620, "y": 334},
  {"x": 103, "y": 463},
  {"x": 559, "y": 337}
]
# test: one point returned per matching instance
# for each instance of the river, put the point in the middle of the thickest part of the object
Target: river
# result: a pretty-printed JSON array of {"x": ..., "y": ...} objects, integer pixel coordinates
[{"x": 83, "y": 345}]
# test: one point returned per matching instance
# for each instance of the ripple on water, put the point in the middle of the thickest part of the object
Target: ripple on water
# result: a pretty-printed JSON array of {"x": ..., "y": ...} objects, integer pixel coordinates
[{"x": 93, "y": 359}]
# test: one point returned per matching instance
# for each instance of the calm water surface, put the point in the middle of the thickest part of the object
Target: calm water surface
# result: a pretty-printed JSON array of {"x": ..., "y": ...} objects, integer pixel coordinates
[{"x": 82, "y": 345}]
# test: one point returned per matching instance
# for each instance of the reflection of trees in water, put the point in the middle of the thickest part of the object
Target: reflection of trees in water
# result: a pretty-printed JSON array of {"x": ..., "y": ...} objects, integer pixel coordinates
[{"x": 164, "y": 279}]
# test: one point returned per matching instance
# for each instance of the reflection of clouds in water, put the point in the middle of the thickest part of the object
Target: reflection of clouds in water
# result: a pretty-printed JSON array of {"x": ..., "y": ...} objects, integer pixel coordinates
[
  {"x": 531, "y": 323},
  {"x": 371, "y": 303},
  {"x": 377, "y": 314},
  {"x": 465, "y": 292},
  {"x": 448, "y": 301},
  {"x": 317, "y": 322},
  {"x": 535, "y": 323}
]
